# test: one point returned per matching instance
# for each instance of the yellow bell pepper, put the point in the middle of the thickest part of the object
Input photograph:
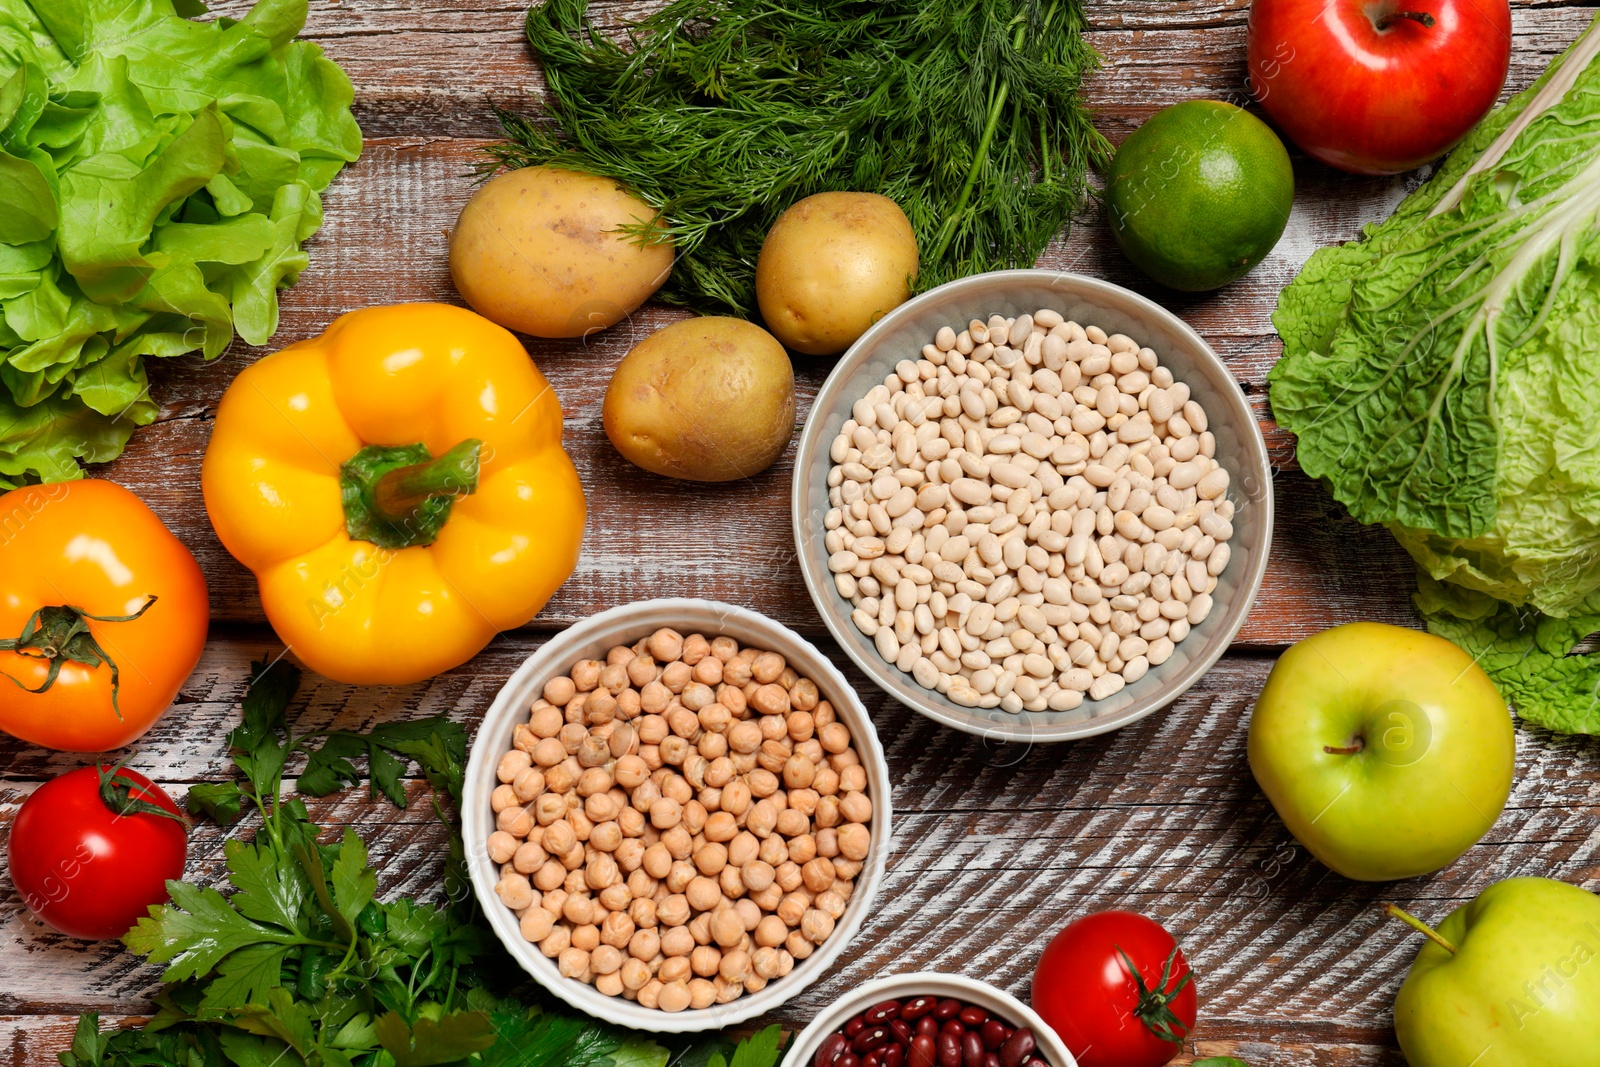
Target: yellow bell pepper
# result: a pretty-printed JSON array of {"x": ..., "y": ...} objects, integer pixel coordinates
[{"x": 398, "y": 487}]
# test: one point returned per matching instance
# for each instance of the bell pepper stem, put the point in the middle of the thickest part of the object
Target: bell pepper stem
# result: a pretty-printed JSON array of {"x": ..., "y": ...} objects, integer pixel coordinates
[
  {"x": 1395, "y": 912},
  {"x": 399, "y": 496},
  {"x": 454, "y": 474}
]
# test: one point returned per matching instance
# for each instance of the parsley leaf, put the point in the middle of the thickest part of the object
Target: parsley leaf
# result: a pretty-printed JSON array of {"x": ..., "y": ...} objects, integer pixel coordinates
[{"x": 426, "y": 1043}]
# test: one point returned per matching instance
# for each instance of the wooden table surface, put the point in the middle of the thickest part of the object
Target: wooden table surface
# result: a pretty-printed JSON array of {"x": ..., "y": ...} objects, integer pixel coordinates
[{"x": 995, "y": 846}]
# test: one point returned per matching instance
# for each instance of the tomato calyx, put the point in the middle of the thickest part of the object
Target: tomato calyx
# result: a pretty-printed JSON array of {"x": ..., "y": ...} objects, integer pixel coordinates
[
  {"x": 116, "y": 793},
  {"x": 60, "y": 634},
  {"x": 1154, "y": 1007}
]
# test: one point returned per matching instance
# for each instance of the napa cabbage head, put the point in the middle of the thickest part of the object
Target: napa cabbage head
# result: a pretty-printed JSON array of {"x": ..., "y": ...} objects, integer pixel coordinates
[{"x": 1442, "y": 375}]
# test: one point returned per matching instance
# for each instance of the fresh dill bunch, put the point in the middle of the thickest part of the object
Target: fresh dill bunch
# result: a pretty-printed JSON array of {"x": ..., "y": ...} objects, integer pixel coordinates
[{"x": 722, "y": 113}]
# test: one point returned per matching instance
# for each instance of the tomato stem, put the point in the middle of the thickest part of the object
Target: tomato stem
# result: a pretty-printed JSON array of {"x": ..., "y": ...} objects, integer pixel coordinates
[
  {"x": 1395, "y": 912},
  {"x": 60, "y": 634},
  {"x": 1153, "y": 1009},
  {"x": 116, "y": 793}
]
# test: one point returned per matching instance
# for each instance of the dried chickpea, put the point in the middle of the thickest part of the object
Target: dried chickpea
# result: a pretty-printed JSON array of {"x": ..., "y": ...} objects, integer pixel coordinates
[
  {"x": 727, "y": 928},
  {"x": 702, "y": 994},
  {"x": 536, "y": 924},
  {"x": 635, "y": 973},
  {"x": 674, "y": 996},
  {"x": 676, "y": 969},
  {"x": 586, "y": 937},
  {"x": 705, "y": 959},
  {"x": 502, "y": 846}
]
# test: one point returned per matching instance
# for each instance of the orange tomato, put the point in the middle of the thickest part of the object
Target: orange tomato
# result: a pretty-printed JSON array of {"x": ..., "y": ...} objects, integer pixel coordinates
[{"x": 108, "y": 593}]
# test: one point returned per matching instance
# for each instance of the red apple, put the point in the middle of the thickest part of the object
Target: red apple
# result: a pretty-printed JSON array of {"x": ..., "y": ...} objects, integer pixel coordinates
[{"x": 1378, "y": 86}]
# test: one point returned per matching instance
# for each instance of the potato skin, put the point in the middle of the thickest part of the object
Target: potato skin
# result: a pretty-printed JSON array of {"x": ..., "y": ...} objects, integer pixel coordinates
[
  {"x": 531, "y": 252},
  {"x": 707, "y": 400},
  {"x": 831, "y": 266}
]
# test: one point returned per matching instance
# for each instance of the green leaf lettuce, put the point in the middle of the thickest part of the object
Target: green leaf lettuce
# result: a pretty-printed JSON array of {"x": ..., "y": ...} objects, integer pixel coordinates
[{"x": 158, "y": 176}]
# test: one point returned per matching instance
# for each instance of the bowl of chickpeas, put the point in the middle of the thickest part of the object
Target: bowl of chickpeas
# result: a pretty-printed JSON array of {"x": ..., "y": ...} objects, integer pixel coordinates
[{"x": 676, "y": 815}]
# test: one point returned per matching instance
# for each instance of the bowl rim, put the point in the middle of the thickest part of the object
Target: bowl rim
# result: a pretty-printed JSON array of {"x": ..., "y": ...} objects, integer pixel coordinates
[
  {"x": 555, "y": 656},
  {"x": 890, "y": 987},
  {"x": 899, "y": 685}
]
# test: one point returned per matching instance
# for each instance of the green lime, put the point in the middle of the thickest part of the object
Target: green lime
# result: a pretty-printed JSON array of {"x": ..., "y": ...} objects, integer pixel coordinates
[{"x": 1199, "y": 194}]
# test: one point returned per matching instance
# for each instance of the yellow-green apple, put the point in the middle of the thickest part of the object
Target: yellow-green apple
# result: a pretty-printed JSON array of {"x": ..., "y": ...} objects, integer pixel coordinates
[
  {"x": 1511, "y": 979},
  {"x": 1386, "y": 751}
]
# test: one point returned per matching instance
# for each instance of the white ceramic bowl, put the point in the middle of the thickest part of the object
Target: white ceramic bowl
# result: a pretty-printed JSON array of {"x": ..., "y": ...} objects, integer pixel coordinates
[
  {"x": 590, "y": 639},
  {"x": 901, "y": 987},
  {"x": 1240, "y": 449}
]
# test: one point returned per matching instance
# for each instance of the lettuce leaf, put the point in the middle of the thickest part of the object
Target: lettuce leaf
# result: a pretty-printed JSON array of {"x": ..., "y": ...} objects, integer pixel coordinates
[
  {"x": 159, "y": 176},
  {"x": 1440, "y": 377}
]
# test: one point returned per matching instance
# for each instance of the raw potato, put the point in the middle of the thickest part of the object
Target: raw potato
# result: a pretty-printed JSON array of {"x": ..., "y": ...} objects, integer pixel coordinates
[
  {"x": 536, "y": 250},
  {"x": 833, "y": 265},
  {"x": 708, "y": 399}
]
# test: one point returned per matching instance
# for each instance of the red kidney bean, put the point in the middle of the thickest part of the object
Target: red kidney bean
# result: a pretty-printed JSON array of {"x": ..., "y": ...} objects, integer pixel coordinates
[
  {"x": 1035, "y": 1062},
  {"x": 991, "y": 1060},
  {"x": 971, "y": 1050},
  {"x": 953, "y": 1026},
  {"x": 847, "y": 1060},
  {"x": 902, "y": 1030},
  {"x": 922, "y": 1052},
  {"x": 882, "y": 1013},
  {"x": 871, "y": 1037},
  {"x": 1018, "y": 1047},
  {"x": 854, "y": 1026},
  {"x": 947, "y": 1009},
  {"x": 928, "y": 1027},
  {"x": 874, "y": 1059},
  {"x": 973, "y": 1016},
  {"x": 994, "y": 1034},
  {"x": 949, "y": 1050},
  {"x": 917, "y": 1007},
  {"x": 829, "y": 1050},
  {"x": 894, "y": 1055}
]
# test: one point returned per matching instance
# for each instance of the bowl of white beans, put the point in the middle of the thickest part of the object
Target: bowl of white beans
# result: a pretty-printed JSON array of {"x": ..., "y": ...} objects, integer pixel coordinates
[{"x": 1032, "y": 505}]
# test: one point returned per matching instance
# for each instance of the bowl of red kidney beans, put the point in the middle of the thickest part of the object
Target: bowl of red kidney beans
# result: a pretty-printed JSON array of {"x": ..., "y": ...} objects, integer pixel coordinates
[{"x": 928, "y": 1020}]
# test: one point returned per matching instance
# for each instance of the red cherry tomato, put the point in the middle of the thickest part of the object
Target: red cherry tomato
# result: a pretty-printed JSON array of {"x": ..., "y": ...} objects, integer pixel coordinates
[
  {"x": 89, "y": 856},
  {"x": 1109, "y": 1015}
]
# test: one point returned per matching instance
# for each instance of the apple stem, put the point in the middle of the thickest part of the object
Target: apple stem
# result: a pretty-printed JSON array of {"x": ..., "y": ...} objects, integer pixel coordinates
[
  {"x": 1422, "y": 18},
  {"x": 1351, "y": 749},
  {"x": 1418, "y": 925}
]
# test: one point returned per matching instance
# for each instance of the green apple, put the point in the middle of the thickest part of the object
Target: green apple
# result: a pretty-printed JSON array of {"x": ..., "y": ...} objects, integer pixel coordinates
[
  {"x": 1510, "y": 980},
  {"x": 1386, "y": 751}
]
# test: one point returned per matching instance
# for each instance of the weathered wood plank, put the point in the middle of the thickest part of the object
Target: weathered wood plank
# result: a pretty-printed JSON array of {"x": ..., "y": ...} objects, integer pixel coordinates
[{"x": 1161, "y": 817}]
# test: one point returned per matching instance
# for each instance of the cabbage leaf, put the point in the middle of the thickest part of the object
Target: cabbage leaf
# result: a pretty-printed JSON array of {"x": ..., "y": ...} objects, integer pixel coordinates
[
  {"x": 158, "y": 176},
  {"x": 1441, "y": 378}
]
